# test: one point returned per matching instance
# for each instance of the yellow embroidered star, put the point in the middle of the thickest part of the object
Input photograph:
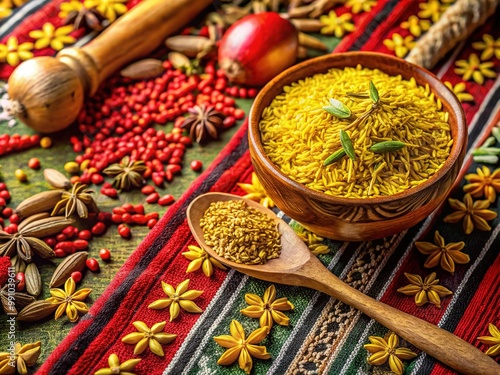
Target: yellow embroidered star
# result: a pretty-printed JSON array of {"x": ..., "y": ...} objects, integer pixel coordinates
[
  {"x": 459, "y": 91},
  {"x": 50, "y": 36},
  {"x": 178, "y": 298},
  {"x": 13, "y": 52},
  {"x": 200, "y": 259},
  {"x": 358, "y": 6},
  {"x": 152, "y": 337},
  {"x": 69, "y": 6},
  {"x": 387, "y": 349},
  {"x": 69, "y": 300},
  {"x": 416, "y": 26},
  {"x": 117, "y": 368},
  {"x": 241, "y": 348},
  {"x": 473, "y": 213},
  {"x": 475, "y": 69},
  {"x": 22, "y": 357},
  {"x": 489, "y": 46},
  {"x": 493, "y": 341},
  {"x": 432, "y": 9},
  {"x": 483, "y": 183},
  {"x": 268, "y": 309},
  {"x": 401, "y": 46},
  {"x": 5, "y": 8},
  {"x": 111, "y": 9},
  {"x": 446, "y": 255},
  {"x": 256, "y": 192},
  {"x": 337, "y": 25},
  {"x": 426, "y": 290}
]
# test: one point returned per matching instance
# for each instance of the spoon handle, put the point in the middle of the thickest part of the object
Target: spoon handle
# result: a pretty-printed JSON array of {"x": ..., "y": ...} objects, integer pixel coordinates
[{"x": 438, "y": 343}]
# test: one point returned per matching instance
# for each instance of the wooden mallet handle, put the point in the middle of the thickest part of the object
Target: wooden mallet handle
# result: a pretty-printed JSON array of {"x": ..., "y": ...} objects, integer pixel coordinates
[{"x": 50, "y": 91}]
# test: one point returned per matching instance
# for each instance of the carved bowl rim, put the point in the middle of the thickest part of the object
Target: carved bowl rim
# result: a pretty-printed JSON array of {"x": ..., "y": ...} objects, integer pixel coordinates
[{"x": 373, "y": 60}]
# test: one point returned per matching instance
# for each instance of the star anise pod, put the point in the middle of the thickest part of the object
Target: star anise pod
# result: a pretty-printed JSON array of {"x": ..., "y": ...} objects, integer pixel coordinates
[
  {"x": 23, "y": 356},
  {"x": 12, "y": 302},
  {"x": 79, "y": 199},
  {"x": 127, "y": 173},
  {"x": 203, "y": 123},
  {"x": 88, "y": 18},
  {"x": 27, "y": 240}
]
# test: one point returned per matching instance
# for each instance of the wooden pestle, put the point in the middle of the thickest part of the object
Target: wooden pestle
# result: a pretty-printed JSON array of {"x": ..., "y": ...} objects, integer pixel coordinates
[{"x": 47, "y": 93}]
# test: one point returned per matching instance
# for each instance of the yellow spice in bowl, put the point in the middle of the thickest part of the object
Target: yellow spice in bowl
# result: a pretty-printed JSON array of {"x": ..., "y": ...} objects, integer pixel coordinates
[{"x": 298, "y": 134}]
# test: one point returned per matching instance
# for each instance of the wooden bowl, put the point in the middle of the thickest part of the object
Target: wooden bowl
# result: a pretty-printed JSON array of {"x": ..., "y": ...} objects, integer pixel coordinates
[{"x": 357, "y": 219}]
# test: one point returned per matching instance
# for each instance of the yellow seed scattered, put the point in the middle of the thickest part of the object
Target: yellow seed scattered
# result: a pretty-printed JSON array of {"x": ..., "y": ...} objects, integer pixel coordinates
[
  {"x": 72, "y": 167},
  {"x": 84, "y": 164},
  {"x": 45, "y": 142},
  {"x": 21, "y": 175}
]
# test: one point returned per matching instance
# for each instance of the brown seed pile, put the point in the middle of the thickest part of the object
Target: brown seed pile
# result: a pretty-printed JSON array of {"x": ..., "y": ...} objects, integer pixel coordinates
[{"x": 240, "y": 233}]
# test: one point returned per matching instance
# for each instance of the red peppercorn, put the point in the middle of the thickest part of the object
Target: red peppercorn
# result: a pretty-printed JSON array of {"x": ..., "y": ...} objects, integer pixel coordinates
[
  {"x": 3, "y": 203},
  {"x": 51, "y": 241},
  {"x": 124, "y": 231},
  {"x": 196, "y": 165},
  {"x": 61, "y": 237},
  {"x": 118, "y": 210},
  {"x": 3, "y": 186},
  {"x": 117, "y": 219},
  {"x": 92, "y": 264},
  {"x": 69, "y": 231},
  {"x": 153, "y": 198},
  {"x": 11, "y": 228},
  {"x": 128, "y": 208},
  {"x": 151, "y": 223},
  {"x": 76, "y": 276},
  {"x": 7, "y": 211},
  {"x": 21, "y": 281},
  {"x": 60, "y": 253},
  {"x": 109, "y": 192},
  {"x": 152, "y": 215},
  {"x": 67, "y": 246},
  {"x": 85, "y": 235},
  {"x": 34, "y": 163},
  {"x": 80, "y": 244},
  {"x": 166, "y": 200},
  {"x": 98, "y": 228},
  {"x": 97, "y": 179},
  {"x": 139, "y": 209},
  {"x": 14, "y": 219},
  {"x": 127, "y": 218},
  {"x": 103, "y": 216},
  {"x": 139, "y": 219},
  {"x": 105, "y": 254}
]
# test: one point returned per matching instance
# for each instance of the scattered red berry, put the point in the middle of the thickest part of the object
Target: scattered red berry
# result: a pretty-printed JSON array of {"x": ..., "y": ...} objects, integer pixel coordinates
[
  {"x": 105, "y": 254},
  {"x": 92, "y": 264},
  {"x": 76, "y": 276},
  {"x": 34, "y": 163},
  {"x": 196, "y": 165}
]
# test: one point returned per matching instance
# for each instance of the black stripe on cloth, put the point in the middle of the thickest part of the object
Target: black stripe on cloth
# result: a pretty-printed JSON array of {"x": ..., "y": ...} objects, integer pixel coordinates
[
  {"x": 455, "y": 314},
  {"x": 372, "y": 26},
  {"x": 484, "y": 117},
  {"x": 80, "y": 344},
  {"x": 21, "y": 13}
]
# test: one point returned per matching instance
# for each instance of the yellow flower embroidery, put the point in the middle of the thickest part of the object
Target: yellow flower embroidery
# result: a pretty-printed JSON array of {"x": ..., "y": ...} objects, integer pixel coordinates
[
  {"x": 68, "y": 7},
  {"x": 69, "y": 300},
  {"x": 483, "y": 183},
  {"x": 178, "y": 298},
  {"x": 18, "y": 3},
  {"x": 152, "y": 337},
  {"x": 200, "y": 259},
  {"x": 426, "y": 290},
  {"x": 50, "y": 36},
  {"x": 24, "y": 356},
  {"x": 115, "y": 367},
  {"x": 416, "y": 26},
  {"x": 493, "y": 341},
  {"x": 14, "y": 53},
  {"x": 268, "y": 309},
  {"x": 387, "y": 349},
  {"x": 473, "y": 214},
  {"x": 111, "y": 9},
  {"x": 241, "y": 348},
  {"x": 459, "y": 91},
  {"x": 5, "y": 8},
  {"x": 489, "y": 46},
  {"x": 256, "y": 192},
  {"x": 475, "y": 69},
  {"x": 337, "y": 25},
  {"x": 446, "y": 255},
  {"x": 358, "y": 6},
  {"x": 401, "y": 46},
  {"x": 432, "y": 9}
]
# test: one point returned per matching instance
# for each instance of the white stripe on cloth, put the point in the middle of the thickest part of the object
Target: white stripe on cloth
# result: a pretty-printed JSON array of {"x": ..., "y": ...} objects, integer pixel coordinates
[{"x": 20, "y": 15}]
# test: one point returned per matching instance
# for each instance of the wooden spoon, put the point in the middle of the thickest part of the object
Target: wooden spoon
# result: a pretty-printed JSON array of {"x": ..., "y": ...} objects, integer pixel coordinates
[{"x": 298, "y": 266}]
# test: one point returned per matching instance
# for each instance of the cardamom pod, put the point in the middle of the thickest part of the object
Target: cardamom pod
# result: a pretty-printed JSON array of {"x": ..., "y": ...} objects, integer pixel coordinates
[
  {"x": 56, "y": 179},
  {"x": 36, "y": 311},
  {"x": 45, "y": 227},
  {"x": 33, "y": 280},
  {"x": 336, "y": 156},
  {"x": 41, "y": 202},
  {"x": 32, "y": 218},
  {"x": 18, "y": 263},
  {"x": 190, "y": 45},
  {"x": 147, "y": 68},
  {"x": 72, "y": 263},
  {"x": 387, "y": 146}
]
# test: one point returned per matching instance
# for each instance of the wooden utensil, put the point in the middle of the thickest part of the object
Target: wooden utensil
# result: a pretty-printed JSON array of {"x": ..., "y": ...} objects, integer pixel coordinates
[
  {"x": 298, "y": 266},
  {"x": 48, "y": 93}
]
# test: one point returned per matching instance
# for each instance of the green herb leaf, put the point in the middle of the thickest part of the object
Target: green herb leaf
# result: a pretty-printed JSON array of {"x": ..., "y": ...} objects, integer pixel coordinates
[
  {"x": 488, "y": 159},
  {"x": 338, "y": 109},
  {"x": 346, "y": 143},
  {"x": 373, "y": 93},
  {"x": 336, "y": 156},
  {"x": 486, "y": 151},
  {"x": 387, "y": 146}
]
